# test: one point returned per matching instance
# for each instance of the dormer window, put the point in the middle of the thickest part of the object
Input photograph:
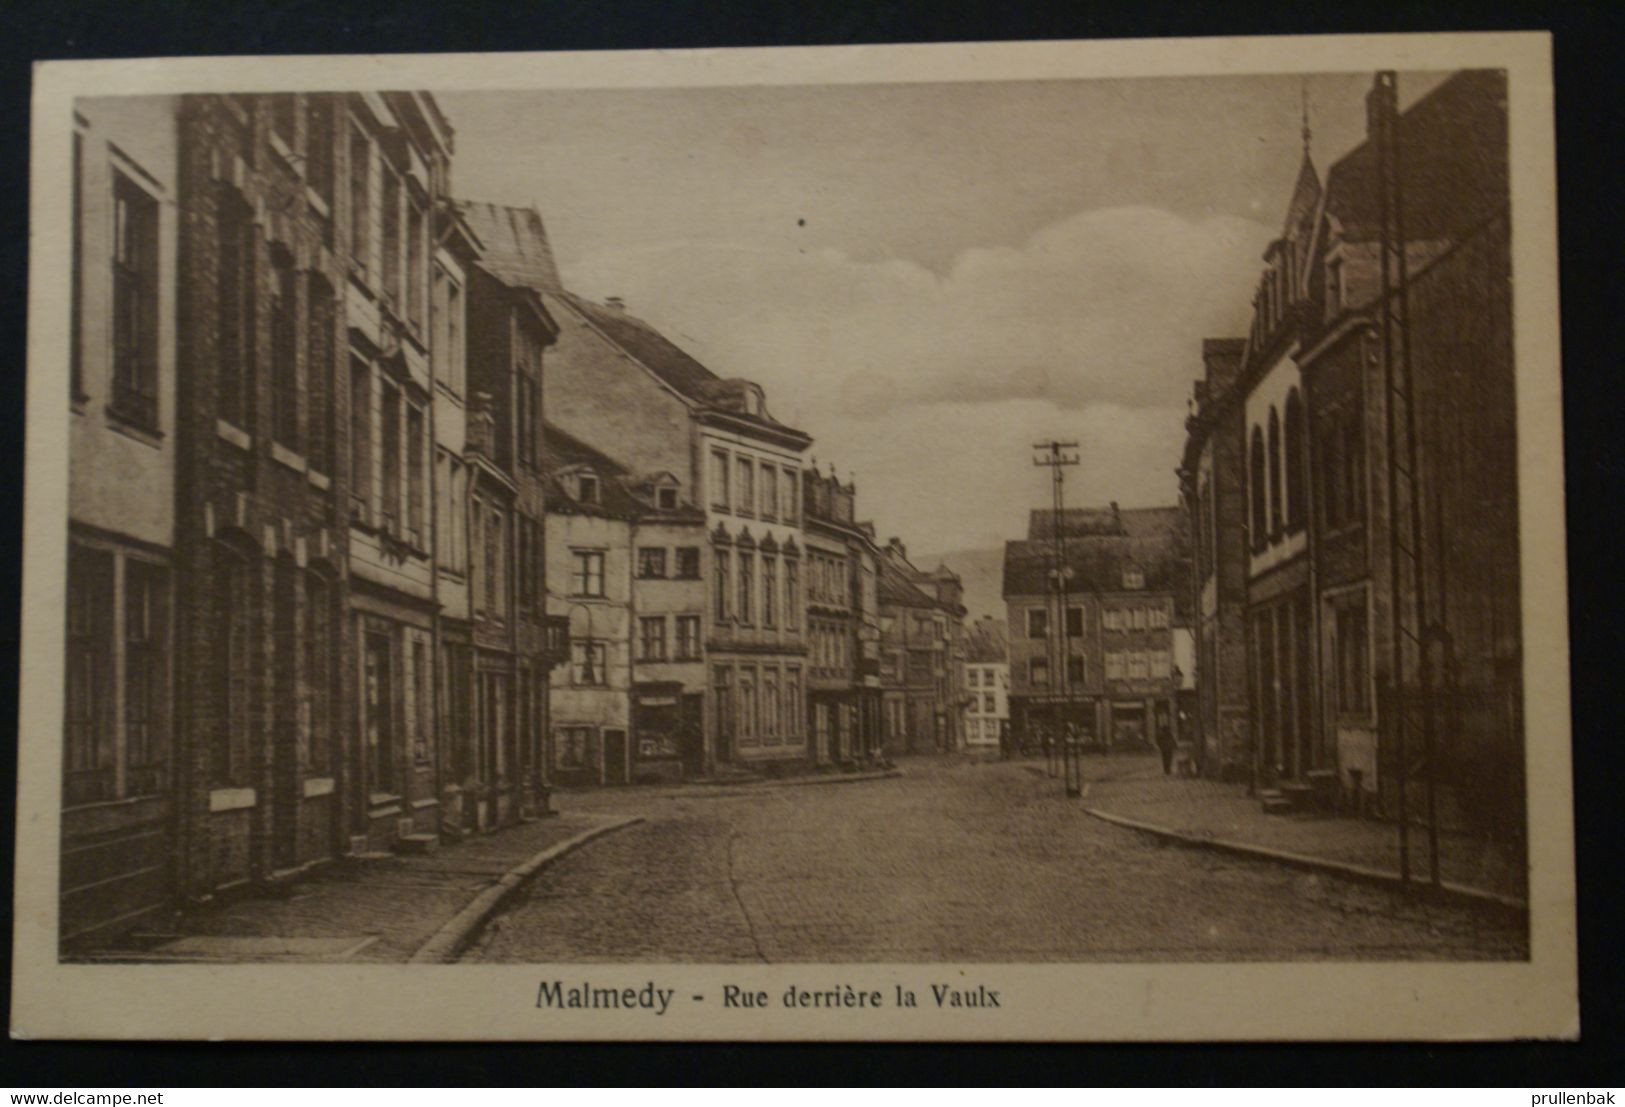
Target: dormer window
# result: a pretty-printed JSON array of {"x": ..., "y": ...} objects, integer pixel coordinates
[
  {"x": 1133, "y": 580},
  {"x": 666, "y": 499},
  {"x": 587, "y": 488}
]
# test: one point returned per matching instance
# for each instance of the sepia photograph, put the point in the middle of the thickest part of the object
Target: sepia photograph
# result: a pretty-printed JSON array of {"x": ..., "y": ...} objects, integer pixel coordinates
[{"x": 710, "y": 541}]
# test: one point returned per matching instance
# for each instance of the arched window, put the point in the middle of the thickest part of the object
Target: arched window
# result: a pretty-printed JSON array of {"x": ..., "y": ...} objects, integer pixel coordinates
[
  {"x": 1255, "y": 468},
  {"x": 1275, "y": 472},
  {"x": 1295, "y": 488}
]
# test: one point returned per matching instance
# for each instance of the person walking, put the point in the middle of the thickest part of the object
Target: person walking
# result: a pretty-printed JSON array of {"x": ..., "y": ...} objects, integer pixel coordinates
[{"x": 1165, "y": 745}]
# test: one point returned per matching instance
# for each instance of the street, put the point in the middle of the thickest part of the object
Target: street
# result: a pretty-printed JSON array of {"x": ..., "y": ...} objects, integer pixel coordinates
[{"x": 953, "y": 861}]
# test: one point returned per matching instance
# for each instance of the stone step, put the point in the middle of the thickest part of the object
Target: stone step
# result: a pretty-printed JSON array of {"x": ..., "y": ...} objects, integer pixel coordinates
[{"x": 417, "y": 843}]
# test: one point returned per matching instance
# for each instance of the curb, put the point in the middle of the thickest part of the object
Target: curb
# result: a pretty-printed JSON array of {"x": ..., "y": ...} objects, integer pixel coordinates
[
  {"x": 450, "y": 940},
  {"x": 1448, "y": 890},
  {"x": 746, "y": 788}
]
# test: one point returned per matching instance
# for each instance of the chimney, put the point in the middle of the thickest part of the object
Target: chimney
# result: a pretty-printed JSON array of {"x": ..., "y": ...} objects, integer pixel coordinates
[{"x": 616, "y": 303}]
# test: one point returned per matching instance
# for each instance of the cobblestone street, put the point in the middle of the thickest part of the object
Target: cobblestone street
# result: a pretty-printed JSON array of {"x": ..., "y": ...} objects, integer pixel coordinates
[{"x": 953, "y": 860}]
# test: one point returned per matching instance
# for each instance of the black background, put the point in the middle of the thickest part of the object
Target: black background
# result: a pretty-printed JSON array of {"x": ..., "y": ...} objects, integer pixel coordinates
[{"x": 1587, "y": 40}]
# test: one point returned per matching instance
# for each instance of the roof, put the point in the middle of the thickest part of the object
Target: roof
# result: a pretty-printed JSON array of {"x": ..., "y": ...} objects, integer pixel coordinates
[
  {"x": 1152, "y": 540},
  {"x": 896, "y": 589},
  {"x": 672, "y": 364},
  {"x": 516, "y": 247},
  {"x": 1453, "y": 160},
  {"x": 985, "y": 641},
  {"x": 1127, "y": 522},
  {"x": 562, "y": 451}
]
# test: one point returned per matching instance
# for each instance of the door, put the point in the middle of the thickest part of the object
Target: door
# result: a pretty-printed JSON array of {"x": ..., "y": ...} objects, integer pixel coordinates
[
  {"x": 376, "y": 729},
  {"x": 691, "y": 735},
  {"x": 614, "y": 757}
]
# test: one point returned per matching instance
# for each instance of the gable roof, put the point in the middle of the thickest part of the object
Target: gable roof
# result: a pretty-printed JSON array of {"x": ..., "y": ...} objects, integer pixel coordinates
[
  {"x": 985, "y": 641},
  {"x": 516, "y": 248},
  {"x": 617, "y": 499},
  {"x": 896, "y": 589},
  {"x": 1098, "y": 550}
]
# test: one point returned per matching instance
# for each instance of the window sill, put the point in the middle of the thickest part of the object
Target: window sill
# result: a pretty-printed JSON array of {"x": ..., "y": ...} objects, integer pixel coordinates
[
  {"x": 233, "y": 434},
  {"x": 318, "y": 479},
  {"x": 290, "y": 458},
  {"x": 318, "y": 786},
  {"x": 231, "y": 799}
]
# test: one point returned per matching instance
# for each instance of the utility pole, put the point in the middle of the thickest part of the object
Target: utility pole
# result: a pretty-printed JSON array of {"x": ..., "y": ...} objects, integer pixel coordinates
[{"x": 1054, "y": 456}]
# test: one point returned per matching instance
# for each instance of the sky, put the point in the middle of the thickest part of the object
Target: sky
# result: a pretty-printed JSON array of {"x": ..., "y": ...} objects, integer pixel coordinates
[{"x": 930, "y": 278}]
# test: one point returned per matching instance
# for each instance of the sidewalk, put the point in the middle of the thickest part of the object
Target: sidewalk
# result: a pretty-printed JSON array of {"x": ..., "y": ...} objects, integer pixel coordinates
[
  {"x": 383, "y": 909},
  {"x": 1130, "y": 790}
]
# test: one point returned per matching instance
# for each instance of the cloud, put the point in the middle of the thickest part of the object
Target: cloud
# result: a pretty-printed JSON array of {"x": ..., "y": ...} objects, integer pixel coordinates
[{"x": 1106, "y": 306}]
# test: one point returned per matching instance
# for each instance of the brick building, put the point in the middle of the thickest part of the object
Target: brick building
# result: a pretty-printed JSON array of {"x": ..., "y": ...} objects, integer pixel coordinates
[
  {"x": 1213, "y": 486},
  {"x": 1098, "y": 657}
]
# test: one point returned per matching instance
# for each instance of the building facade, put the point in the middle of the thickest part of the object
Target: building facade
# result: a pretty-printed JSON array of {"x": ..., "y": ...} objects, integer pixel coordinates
[
  {"x": 921, "y": 655},
  {"x": 121, "y": 782},
  {"x": 987, "y": 686},
  {"x": 1097, "y": 658}
]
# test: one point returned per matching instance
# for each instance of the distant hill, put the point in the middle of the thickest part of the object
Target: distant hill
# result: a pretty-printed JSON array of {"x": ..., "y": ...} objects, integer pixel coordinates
[{"x": 983, "y": 574}]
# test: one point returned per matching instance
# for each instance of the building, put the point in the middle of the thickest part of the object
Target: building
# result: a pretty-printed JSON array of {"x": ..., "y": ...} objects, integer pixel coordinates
[
  {"x": 122, "y": 784},
  {"x": 843, "y": 661},
  {"x": 1451, "y": 314},
  {"x": 626, "y": 554},
  {"x": 1099, "y": 656},
  {"x": 987, "y": 685},
  {"x": 1213, "y": 484},
  {"x": 922, "y": 653}
]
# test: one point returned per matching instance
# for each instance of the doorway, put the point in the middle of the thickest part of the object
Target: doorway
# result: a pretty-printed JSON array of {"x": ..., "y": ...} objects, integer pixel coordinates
[{"x": 615, "y": 757}]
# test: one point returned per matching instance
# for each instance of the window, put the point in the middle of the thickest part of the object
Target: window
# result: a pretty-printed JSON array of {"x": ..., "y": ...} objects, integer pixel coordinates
[
  {"x": 1114, "y": 665},
  {"x": 527, "y": 419},
  {"x": 719, "y": 480},
  {"x": 721, "y": 583},
  {"x": 319, "y": 147},
  {"x": 446, "y": 330},
  {"x": 135, "y": 303},
  {"x": 1136, "y": 618},
  {"x": 1137, "y": 665},
  {"x": 144, "y": 754},
  {"x": 666, "y": 498},
  {"x": 652, "y": 563},
  {"x": 747, "y": 702},
  {"x": 1133, "y": 580},
  {"x": 476, "y": 560},
  {"x": 770, "y": 492},
  {"x": 770, "y": 703},
  {"x": 972, "y": 677},
  {"x": 791, "y": 498},
  {"x": 284, "y": 361},
  {"x": 1074, "y": 672},
  {"x": 232, "y": 647},
  {"x": 284, "y": 111},
  {"x": 770, "y": 591},
  {"x": 234, "y": 292},
  {"x": 587, "y": 488},
  {"x": 1352, "y": 652},
  {"x": 688, "y": 638},
  {"x": 572, "y": 745},
  {"x": 745, "y": 489},
  {"x": 389, "y": 448},
  {"x": 652, "y": 638},
  {"x": 319, "y": 374},
  {"x": 688, "y": 563},
  {"x": 747, "y": 585},
  {"x": 1255, "y": 482},
  {"x": 792, "y": 594},
  {"x": 419, "y": 701},
  {"x": 496, "y": 596},
  {"x": 1294, "y": 461},
  {"x": 414, "y": 266},
  {"x": 1038, "y": 672},
  {"x": 1112, "y": 618},
  {"x": 792, "y": 702},
  {"x": 1037, "y": 623},
  {"x": 722, "y": 700},
  {"x": 88, "y": 740},
  {"x": 389, "y": 233},
  {"x": 318, "y": 673},
  {"x": 587, "y": 572},
  {"x": 360, "y": 437},
  {"x": 989, "y": 706},
  {"x": 1074, "y": 622},
  {"x": 415, "y": 436},
  {"x": 1159, "y": 618},
  {"x": 1354, "y": 465},
  {"x": 587, "y": 663},
  {"x": 360, "y": 200},
  {"x": 1161, "y": 664},
  {"x": 1275, "y": 473}
]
